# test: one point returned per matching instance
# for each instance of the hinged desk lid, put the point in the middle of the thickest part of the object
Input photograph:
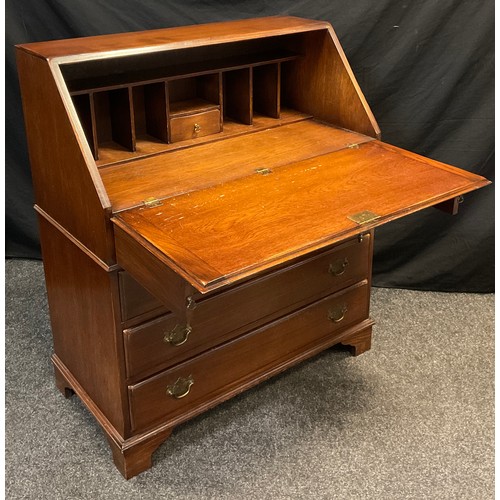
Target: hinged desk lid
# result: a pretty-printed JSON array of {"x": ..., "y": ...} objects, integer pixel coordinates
[{"x": 222, "y": 234}]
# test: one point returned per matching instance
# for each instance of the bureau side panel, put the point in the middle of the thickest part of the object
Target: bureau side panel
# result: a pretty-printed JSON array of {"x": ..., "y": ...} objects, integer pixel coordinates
[
  {"x": 84, "y": 313},
  {"x": 321, "y": 83},
  {"x": 66, "y": 182}
]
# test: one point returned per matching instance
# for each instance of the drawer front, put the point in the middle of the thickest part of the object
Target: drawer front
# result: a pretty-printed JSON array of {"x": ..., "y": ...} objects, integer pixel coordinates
[
  {"x": 220, "y": 371},
  {"x": 134, "y": 299},
  {"x": 196, "y": 125},
  {"x": 222, "y": 316}
]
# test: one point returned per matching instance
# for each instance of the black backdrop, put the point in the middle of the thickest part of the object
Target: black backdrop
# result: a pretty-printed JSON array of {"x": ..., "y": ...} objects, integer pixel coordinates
[{"x": 425, "y": 67}]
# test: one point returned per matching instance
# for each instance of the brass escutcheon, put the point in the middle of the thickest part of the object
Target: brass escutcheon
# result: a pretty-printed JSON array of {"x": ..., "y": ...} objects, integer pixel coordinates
[
  {"x": 178, "y": 335},
  {"x": 337, "y": 313},
  {"x": 338, "y": 267},
  {"x": 196, "y": 128},
  {"x": 181, "y": 387}
]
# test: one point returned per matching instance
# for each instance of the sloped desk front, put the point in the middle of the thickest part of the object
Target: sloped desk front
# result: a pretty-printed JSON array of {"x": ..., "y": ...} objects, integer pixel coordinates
[{"x": 224, "y": 233}]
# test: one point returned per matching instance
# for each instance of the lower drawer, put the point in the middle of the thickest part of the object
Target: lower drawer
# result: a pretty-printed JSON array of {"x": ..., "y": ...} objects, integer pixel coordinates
[
  {"x": 183, "y": 390},
  {"x": 223, "y": 316}
]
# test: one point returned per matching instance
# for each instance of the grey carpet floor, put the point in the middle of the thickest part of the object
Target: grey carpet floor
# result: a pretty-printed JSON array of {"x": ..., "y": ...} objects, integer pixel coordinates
[{"x": 410, "y": 419}]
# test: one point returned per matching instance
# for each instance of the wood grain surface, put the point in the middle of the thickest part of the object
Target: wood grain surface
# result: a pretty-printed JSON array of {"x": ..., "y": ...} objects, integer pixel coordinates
[
  {"x": 225, "y": 315},
  {"x": 179, "y": 37},
  {"x": 130, "y": 183},
  {"x": 322, "y": 83},
  {"x": 252, "y": 248},
  {"x": 261, "y": 349},
  {"x": 66, "y": 181},
  {"x": 228, "y": 231},
  {"x": 84, "y": 314}
]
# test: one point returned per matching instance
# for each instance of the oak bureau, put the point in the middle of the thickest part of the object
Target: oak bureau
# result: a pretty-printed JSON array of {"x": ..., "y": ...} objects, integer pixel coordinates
[{"x": 206, "y": 197}]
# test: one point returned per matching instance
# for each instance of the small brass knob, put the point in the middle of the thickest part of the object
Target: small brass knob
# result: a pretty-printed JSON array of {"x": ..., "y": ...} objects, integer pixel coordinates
[
  {"x": 337, "y": 313},
  {"x": 196, "y": 128},
  {"x": 338, "y": 267},
  {"x": 181, "y": 387},
  {"x": 178, "y": 335}
]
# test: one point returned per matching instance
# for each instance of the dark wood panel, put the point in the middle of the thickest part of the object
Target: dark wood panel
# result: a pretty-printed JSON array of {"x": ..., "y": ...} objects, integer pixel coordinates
[
  {"x": 104, "y": 131},
  {"x": 122, "y": 126},
  {"x": 176, "y": 68},
  {"x": 115, "y": 118},
  {"x": 139, "y": 106},
  {"x": 66, "y": 181},
  {"x": 84, "y": 105},
  {"x": 203, "y": 87},
  {"x": 266, "y": 89},
  {"x": 220, "y": 370},
  {"x": 182, "y": 89},
  {"x": 156, "y": 105},
  {"x": 332, "y": 94},
  {"x": 83, "y": 304},
  {"x": 209, "y": 87},
  {"x": 237, "y": 87},
  {"x": 222, "y": 316},
  {"x": 180, "y": 37},
  {"x": 134, "y": 299}
]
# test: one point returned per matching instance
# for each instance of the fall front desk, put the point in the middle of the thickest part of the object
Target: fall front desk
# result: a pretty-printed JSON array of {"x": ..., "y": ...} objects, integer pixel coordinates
[{"x": 207, "y": 197}]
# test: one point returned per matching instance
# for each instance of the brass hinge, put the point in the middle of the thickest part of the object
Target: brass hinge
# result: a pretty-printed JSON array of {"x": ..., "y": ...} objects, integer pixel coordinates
[
  {"x": 363, "y": 217},
  {"x": 263, "y": 171},
  {"x": 152, "y": 202}
]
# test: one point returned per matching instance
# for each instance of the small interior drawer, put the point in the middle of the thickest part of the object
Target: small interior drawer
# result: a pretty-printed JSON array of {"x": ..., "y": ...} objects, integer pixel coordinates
[
  {"x": 195, "y": 125},
  {"x": 213, "y": 373}
]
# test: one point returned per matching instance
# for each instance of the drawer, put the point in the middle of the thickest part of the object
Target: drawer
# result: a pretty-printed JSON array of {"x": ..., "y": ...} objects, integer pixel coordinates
[
  {"x": 169, "y": 395},
  {"x": 195, "y": 125},
  {"x": 222, "y": 316},
  {"x": 134, "y": 299}
]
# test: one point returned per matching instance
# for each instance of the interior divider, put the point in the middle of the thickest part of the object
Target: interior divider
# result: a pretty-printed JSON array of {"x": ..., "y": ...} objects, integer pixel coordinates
[
  {"x": 266, "y": 89},
  {"x": 114, "y": 118},
  {"x": 122, "y": 117},
  {"x": 84, "y": 105},
  {"x": 140, "y": 117},
  {"x": 156, "y": 109},
  {"x": 238, "y": 102},
  {"x": 221, "y": 99}
]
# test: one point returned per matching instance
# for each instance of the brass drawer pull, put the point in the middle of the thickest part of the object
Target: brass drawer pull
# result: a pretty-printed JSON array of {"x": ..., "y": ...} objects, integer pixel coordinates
[
  {"x": 178, "y": 335},
  {"x": 191, "y": 303},
  {"x": 338, "y": 267},
  {"x": 196, "y": 128},
  {"x": 337, "y": 313},
  {"x": 181, "y": 387}
]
